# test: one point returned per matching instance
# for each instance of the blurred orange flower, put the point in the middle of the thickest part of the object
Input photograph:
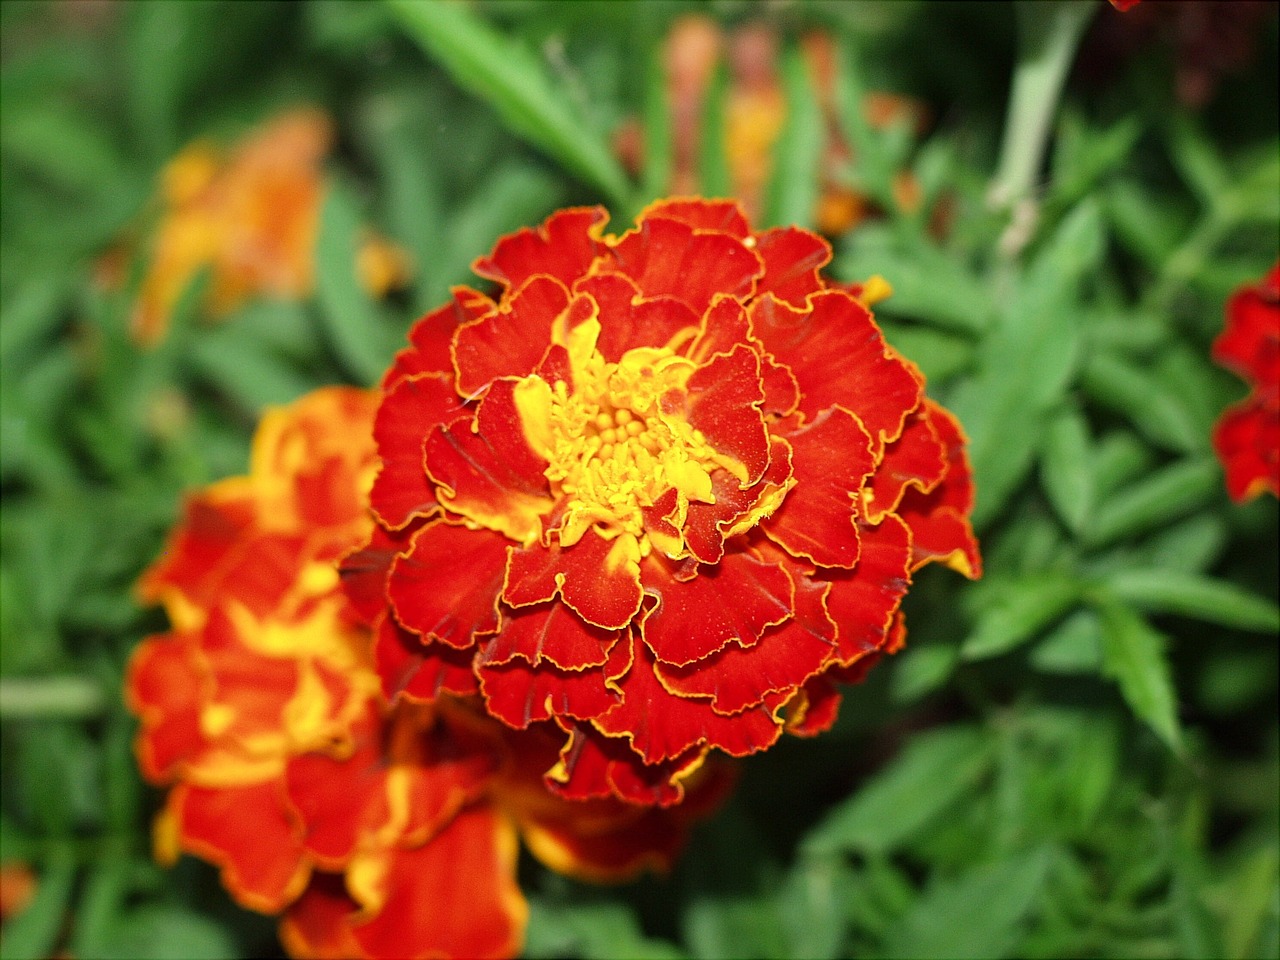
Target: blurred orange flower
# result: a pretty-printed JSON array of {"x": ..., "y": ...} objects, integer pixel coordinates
[
  {"x": 376, "y": 830},
  {"x": 1247, "y": 436},
  {"x": 250, "y": 216},
  {"x": 665, "y": 491}
]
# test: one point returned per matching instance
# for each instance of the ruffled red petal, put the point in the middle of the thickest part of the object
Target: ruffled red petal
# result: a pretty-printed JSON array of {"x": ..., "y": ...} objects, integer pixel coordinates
[
  {"x": 247, "y": 832},
  {"x": 1249, "y": 344},
  {"x": 792, "y": 258},
  {"x": 509, "y": 341},
  {"x": 194, "y": 560},
  {"x": 840, "y": 358},
  {"x": 455, "y": 896},
  {"x": 706, "y": 523},
  {"x": 364, "y": 571},
  {"x": 863, "y": 600},
  {"x": 562, "y": 247},
  {"x": 668, "y": 257},
  {"x": 916, "y": 460},
  {"x": 601, "y": 589},
  {"x": 446, "y": 587},
  {"x": 420, "y": 669},
  {"x": 662, "y": 726},
  {"x": 733, "y": 601},
  {"x": 723, "y": 401},
  {"x": 592, "y": 765},
  {"x": 165, "y": 689},
  {"x": 815, "y": 708},
  {"x": 431, "y": 336},
  {"x": 718, "y": 216},
  {"x": 1247, "y": 441},
  {"x": 831, "y": 455},
  {"x": 317, "y": 926},
  {"x": 402, "y": 490},
  {"x": 628, "y": 319},
  {"x": 518, "y": 694},
  {"x": 552, "y": 632}
]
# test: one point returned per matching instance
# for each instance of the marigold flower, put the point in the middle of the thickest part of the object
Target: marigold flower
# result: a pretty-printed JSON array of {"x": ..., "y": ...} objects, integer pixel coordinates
[
  {"x": 664, "y": 490},
  {"x": 1247, "y": 436},
  {"x": 251, "y": 216},
  {"x": 376, "y": 831}
]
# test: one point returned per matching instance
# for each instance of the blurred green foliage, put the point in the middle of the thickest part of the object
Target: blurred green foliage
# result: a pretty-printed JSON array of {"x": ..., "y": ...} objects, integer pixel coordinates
[{"x": 1077, "y": 755}]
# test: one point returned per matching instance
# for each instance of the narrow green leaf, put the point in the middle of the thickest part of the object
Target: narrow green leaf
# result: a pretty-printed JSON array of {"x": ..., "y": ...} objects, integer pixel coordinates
[
  {"x": 931, "y": 773},
  {"x": 504, "y": 74},
  {"x": 1153, "y": 501},
  {"x": 793, "y": 188},
  {"x": 1134, "y": 656},
  {"x": 1020, "y": 609},
  {"x": 658, "y": 147},
  {"x": 977, "y": 914},
  {"x": 1159, "y": 413},
  {"x": 713, "y": 159},
  {"x": 1073, "y": 646},
  {"x": 1065, "y": 468},
  {"x": 1204, "y": 598}
]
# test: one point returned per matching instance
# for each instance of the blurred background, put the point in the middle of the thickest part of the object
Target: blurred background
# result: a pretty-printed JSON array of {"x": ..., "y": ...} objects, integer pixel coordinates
[{"x": 209, "y": 207}]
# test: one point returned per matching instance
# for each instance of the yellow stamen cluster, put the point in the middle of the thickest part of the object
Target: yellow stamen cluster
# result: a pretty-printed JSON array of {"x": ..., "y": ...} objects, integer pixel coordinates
[{"x": 618, "y": 442}]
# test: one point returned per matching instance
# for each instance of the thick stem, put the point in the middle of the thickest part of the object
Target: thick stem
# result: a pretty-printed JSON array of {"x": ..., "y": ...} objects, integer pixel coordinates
[{"x": 68, "y": 697}]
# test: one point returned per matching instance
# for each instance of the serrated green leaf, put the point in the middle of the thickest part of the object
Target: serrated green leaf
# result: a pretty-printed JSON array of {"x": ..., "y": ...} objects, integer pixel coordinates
[
  {"x": 1020, "y": 608},
  {"x": 502, "y": 73},
  {"x": 1134, "y": 656},
  {"x": 1204, "y": 598},
  {"x": 932, "y": 772},
  {"x": 1066, "y": 468}
]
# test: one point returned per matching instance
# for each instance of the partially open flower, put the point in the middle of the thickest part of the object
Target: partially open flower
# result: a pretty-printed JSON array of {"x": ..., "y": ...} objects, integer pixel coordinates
[
  {"x": 376, "y": 830},
  {"x": 664, "y": 490},
  {"x": 1247, "y": 437}
]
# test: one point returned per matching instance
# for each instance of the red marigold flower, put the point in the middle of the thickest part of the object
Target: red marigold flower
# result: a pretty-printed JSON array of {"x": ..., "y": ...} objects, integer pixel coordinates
[
  {"x": 662, "y": 490},
  {"x": 376, "y": 831},
  {"x": 1247, "y": 436}
]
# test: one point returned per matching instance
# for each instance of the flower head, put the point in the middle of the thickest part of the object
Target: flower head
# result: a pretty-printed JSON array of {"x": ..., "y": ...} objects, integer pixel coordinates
[
  {"x": 376, "y": 830},
  {"x": 1247, "y": 437},
  {"x": 664, "y": 490}
]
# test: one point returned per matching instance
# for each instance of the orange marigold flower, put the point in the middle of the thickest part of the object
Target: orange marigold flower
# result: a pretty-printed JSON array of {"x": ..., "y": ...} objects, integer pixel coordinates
[
  {"x": 663, "y": 491},
  {"x": 376, "y": 831},
  {"x": 1247, "y": 437}
]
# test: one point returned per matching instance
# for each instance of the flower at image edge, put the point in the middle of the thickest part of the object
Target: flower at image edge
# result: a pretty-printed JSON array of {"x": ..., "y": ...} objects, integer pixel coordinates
[
  {"x": 666, "y": 490},
  {"x": 1247, "y": 436}
]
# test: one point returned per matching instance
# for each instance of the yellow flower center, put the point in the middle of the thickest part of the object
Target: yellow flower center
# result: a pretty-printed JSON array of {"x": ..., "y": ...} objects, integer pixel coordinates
[{"x": 618, "y": 442}]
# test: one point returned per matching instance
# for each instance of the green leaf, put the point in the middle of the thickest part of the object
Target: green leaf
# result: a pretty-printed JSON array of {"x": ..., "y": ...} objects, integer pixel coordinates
[
  {"x": 1074, "y": 646},
  {"x": 1065, "y": 468},
  {"x": 921, "y": 670},
  {"x": 1159, "y": 413},
  {"x": 713, "y": 158},
  {"x": 1153, "y": 501},
  {"x": 360, "y": 338},
  {"x": 503, "y": 73},
  {"x": 599, "y": 929},
  {"x": 792, "y": 195},
  {"x": 1204, "y": 598},
  {"x": 977, "y": 914},
  {"x": 1020, "y": 609},
  {"x": 658, "y": 146},
  {"x": 1134, "y": 656},
  {"x": 932, "y": 772},
  {"x": 34, "y": 932},
  {"x": 164, "y": 932},
  {"x": 811, "y": 903}
]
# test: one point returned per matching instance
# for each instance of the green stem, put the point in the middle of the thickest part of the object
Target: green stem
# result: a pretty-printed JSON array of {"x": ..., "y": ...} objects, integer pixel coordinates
[
  {"x": 1048, "y": 34},
  {"x": 69, "y": 697}
]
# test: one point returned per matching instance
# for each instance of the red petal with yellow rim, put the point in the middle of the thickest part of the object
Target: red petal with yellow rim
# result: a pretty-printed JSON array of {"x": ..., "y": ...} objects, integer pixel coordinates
[
  {"x": 718, "y": 216},
  {"x": 663, "y": 726},
  {"x": 592, "y": 765},
  {"x": 863, "y": 601},
  {"x": 706, "y": 523},
  {"x": 830, "y": 457},
  {"x": 731, "y": 602},
  {"x": 628, "y": 320},
  {"x": 840, "y": 358},
  {"x": 1247, "y": 441},
  {"x": 562, "y": 247},
  {"x": 815, "y": 708},
  {"x": 723, "y": 326},
  {"x": 164, "y": 687},
  {"x": 667, "y": 257},
  {"x": 598, "y": 587},
  {"x": 915, "y": 460},
  {"x": 402, "y": 490},
  {"x": 196, "y": 554},
  {"x": 519, "y": 694},
  {"x": 318, "y": 923},
  {"x": 455, "y": 896},
  {"x": 792, "y": 258},
  {"x": 785, "y": 657},
  {"x": 939, "y": 520},
  {"x": 364, "y": 571},
  {"x": 247, "y": 832},
  {"x": 446, "y": 587},
  {"x": 431, "y": 336},
  {"x": 723, "y": 401},
  {"x": 420, "y": 669},
  {"x": 550, "y": 631},
  {"x": 510, "y": 341}
]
